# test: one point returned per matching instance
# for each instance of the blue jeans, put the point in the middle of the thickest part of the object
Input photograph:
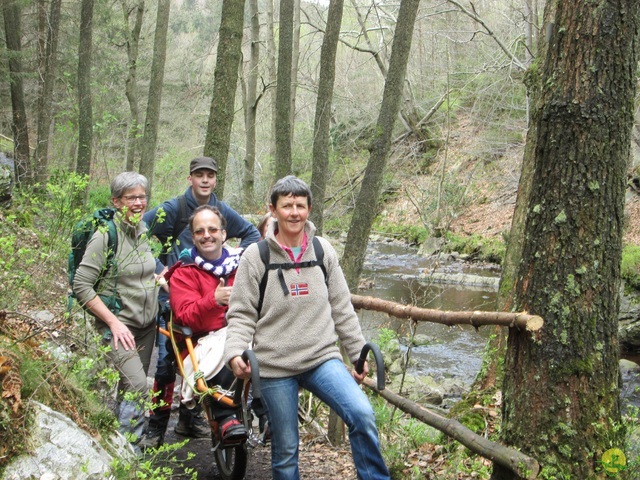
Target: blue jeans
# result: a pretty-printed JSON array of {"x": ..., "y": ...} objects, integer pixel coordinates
[{"x": 332, "y": 383}]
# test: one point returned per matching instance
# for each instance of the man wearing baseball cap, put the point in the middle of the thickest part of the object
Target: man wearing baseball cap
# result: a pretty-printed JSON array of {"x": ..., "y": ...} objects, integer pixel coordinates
[{"x": 169, "y": 224}]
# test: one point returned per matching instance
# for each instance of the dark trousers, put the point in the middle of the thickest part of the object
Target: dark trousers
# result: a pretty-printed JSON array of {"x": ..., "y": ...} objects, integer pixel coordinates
[{"x": 165, "y": 379}]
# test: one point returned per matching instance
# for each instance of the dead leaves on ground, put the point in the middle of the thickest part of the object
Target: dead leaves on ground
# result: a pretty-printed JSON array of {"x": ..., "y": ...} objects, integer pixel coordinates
[
  {"x": 321, "y": 461},
  {"x": 11, "y": 405},
  {"x": 4, "y": 366},
  {"x": 10, "y": 381}
]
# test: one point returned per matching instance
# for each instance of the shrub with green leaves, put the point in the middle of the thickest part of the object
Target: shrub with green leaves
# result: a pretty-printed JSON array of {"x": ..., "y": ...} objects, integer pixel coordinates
[
  {"x": 412, "y": 234},
  {"x": 155, "y": 464},
  {"x": 484, "y": 249},
  {"x": 17, "y": 259},
  {"x": 31, "y": 256},
  {"x": 61, "y": 205},
  {"x": 630, "y": 266}
]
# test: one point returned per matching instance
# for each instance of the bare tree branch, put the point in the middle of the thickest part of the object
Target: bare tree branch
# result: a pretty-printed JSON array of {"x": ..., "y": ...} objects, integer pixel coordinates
[
  {"x": 424, "y": 119},
  {"x": 517, "y": 462},
  {"x": 473, "y": 15},
  {"x": 520, "y": 321}
]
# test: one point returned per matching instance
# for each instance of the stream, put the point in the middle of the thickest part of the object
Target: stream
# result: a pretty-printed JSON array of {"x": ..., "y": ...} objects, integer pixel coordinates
[{"x": 397, "y": 273}]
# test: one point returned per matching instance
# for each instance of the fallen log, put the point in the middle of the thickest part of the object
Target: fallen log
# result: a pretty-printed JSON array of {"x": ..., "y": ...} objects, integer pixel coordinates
[
  {"x": 521, "y": 321},
  {"x": 517, "y": 462}
]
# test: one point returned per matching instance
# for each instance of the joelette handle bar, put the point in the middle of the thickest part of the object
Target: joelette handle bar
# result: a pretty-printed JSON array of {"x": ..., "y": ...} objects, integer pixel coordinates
[
  {"x": 249, "y": 356},
  {"x": 359, "y": 365}
]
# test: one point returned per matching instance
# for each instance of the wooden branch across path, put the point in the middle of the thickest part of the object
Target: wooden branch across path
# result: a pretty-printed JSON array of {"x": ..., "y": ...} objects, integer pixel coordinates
[
  {"x": 517, "y": 462},
  {"x": 521, "y": 321}
]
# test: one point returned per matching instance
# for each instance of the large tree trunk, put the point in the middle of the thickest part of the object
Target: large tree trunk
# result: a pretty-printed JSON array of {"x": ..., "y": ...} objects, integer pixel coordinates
[
  {"x": 150, "y": 139},
  {"x": 19, "y": 127},
  {"x": 225, "y": 82},
  {"x": 85, "y": 114},
  {"x": 283, "y": 90},
  {"x": 41, "y": 7},
  {"x": 561, "y": 392},
  {"x": 492, "y": 373},
  {"x": 251, "y": 106},
  {"x": 323, "y": 111},
  {"x": 321, "y": 147},
  {"x": 45, "y": 102},
  {"x": 295, "y": 59},
  {"x": 367, "y": 202},
  {"x": 131, "y": 84},
  {"x": 272, "y": 70}
]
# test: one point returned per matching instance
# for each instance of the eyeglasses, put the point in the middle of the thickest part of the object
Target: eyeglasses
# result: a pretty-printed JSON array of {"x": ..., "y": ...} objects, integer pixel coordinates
[
  {"x": 135, "y": 198},
  {"x": 211, "y": 230}
]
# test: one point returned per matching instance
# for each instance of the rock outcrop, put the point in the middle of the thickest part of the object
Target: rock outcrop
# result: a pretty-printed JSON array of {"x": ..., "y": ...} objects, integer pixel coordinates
[
  {"x": 59, "y": 449},
  {"x": 629, "y": 322}
]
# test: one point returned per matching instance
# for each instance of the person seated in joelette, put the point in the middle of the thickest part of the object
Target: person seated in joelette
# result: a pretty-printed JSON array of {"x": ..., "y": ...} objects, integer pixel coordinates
[{"x": 200, "y": 287}]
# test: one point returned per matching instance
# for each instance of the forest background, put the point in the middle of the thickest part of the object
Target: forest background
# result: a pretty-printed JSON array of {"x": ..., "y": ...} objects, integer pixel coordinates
[
  {"x": 457, "y": 74},
  {"x": 456, "y": 148}
]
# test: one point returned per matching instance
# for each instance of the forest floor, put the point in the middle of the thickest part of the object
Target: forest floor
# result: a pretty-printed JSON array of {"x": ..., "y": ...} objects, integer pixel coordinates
[
  {"x": 318, "y": 459},
  {"x": 478, "y": 187},
  {"x": 494, "y": 217}
]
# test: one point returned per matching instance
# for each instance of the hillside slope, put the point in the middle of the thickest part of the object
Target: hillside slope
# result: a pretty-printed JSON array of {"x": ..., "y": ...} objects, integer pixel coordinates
[{"x": 478, "y": 187}]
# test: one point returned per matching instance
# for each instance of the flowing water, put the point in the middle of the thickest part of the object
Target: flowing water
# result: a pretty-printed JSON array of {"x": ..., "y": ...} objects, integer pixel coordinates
[{"x": 396, "y": 273}]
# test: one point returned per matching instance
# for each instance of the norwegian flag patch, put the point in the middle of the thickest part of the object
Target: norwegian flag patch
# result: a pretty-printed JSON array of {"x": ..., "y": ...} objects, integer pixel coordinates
[{"x": 297, "y": 289}]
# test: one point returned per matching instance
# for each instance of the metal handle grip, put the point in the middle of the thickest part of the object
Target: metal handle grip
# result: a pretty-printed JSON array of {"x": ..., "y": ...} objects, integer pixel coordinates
[
  {"x": 249, "y": 356},
  {"x": 359, "y": 365}
]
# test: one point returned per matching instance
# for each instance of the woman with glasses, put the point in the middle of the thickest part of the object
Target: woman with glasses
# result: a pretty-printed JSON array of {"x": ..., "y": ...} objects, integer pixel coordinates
[
  {"x": 127, "y": 324},
  {"x": 200, "y": 287}
]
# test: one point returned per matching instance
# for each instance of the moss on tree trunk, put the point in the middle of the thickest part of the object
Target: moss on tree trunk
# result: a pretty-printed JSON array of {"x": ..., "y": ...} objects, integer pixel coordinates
[{"x": 561, "y": 386}]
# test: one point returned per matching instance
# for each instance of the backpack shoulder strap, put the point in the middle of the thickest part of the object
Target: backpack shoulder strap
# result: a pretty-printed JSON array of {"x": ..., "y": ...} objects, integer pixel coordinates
[
  {"x": 105, "y": 219},
  {"x": 183, "y": 217},
  {"x": 317, "y": 246},
  {"x": 112, "y": 243},
  {"x": 263, "y": 248},
  {"x": 318, "y": 262}
]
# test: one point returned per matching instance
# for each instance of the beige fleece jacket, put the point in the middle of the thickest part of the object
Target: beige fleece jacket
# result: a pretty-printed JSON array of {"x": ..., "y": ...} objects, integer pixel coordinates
[
  {"x": 298, "y": 331},
  {"x": 132, "y": 275}
]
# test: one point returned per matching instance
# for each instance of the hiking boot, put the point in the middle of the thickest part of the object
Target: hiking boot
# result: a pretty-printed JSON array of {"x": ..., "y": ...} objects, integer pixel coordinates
[
  {"x": 195, "y": 426},
  {"x": 232, "y": 431},
  {"x": 151, "y": 439}
]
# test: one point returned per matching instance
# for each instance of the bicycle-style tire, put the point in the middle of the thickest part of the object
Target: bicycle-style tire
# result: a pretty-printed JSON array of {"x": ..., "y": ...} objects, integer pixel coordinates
[{"x": 231, "y": 462}]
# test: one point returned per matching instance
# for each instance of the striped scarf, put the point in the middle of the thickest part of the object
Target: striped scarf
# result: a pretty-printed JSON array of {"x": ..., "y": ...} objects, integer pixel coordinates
[{"x": 223, "y": 266}]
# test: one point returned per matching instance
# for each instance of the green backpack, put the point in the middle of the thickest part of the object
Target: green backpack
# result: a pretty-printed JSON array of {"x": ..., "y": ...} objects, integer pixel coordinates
[{"x": 81, "y": 234}]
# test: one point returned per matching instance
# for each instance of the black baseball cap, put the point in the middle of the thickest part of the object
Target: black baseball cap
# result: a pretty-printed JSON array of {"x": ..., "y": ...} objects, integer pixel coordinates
[{"x": 203, "y": 162}]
